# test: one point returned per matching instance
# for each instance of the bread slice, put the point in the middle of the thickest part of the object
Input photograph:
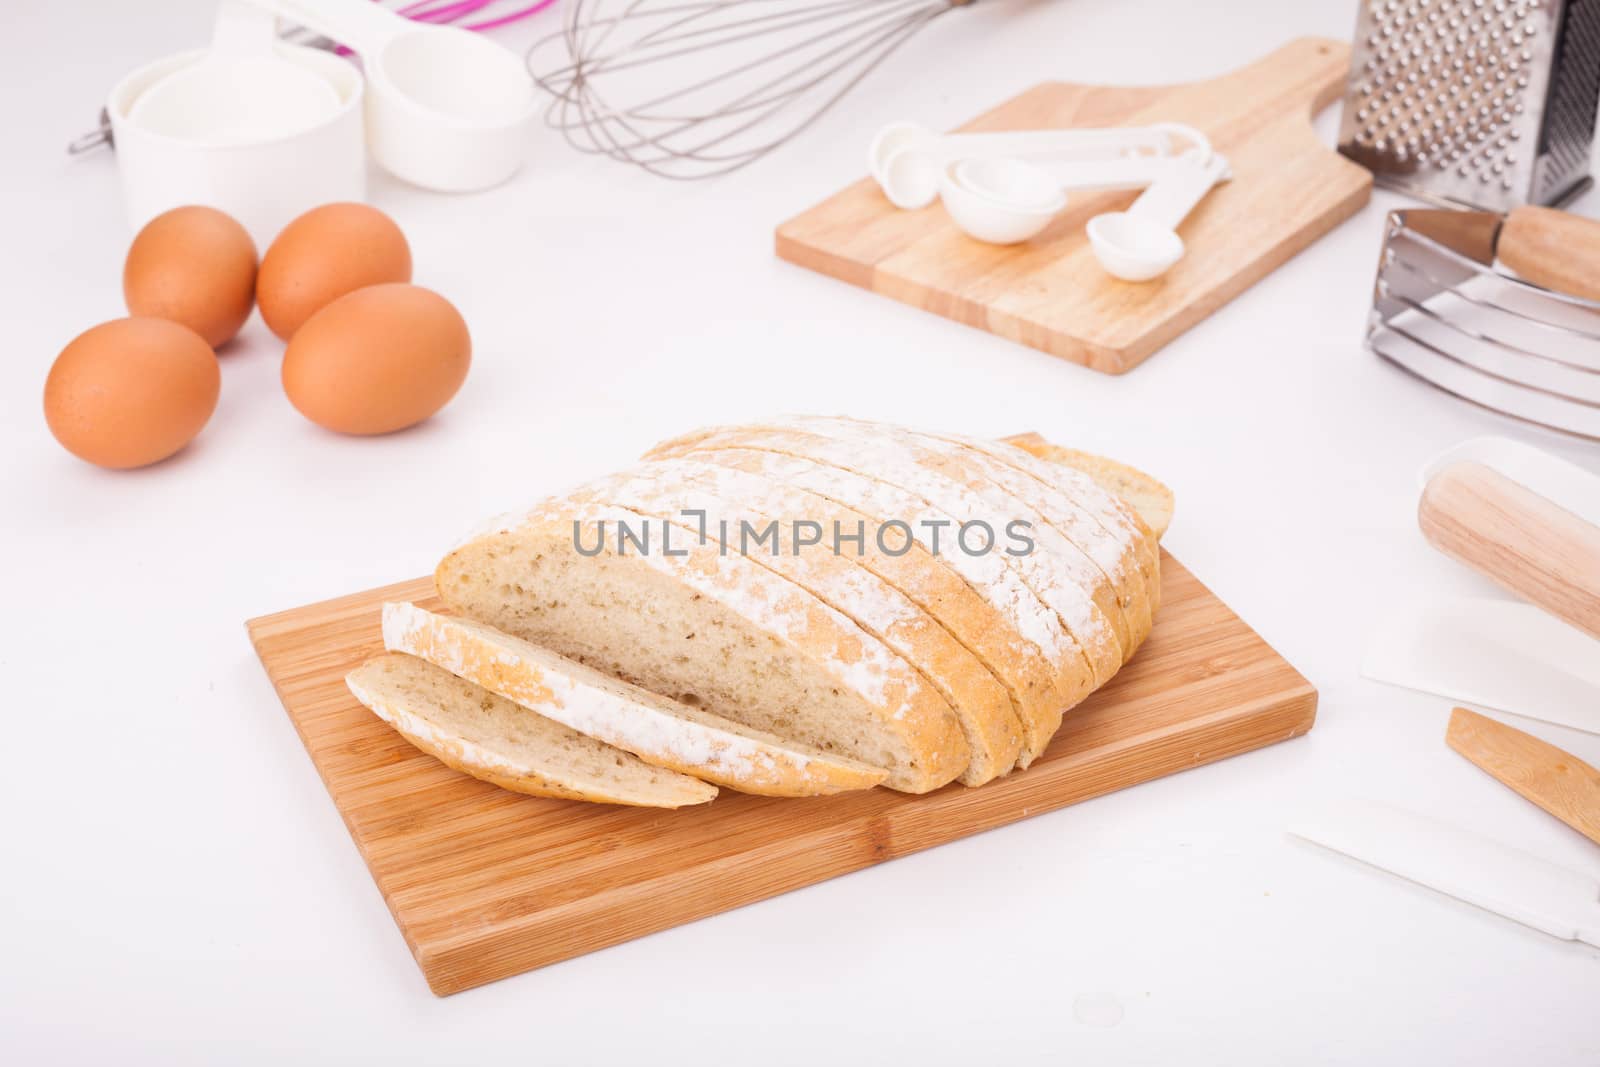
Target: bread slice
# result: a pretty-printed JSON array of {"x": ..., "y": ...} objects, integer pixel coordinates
[
  {"x": 875, "y": 456},
  {"x": 709, "y": 630},
  {"x": 659, "y": 731},
  {"x": 985, "y": 627},
  {"x": 696, "y": 494},
  {"x": 1025, "y": 612},
  {"x": 1149, "y": 497},
  {"x": 489, "y": 737}
]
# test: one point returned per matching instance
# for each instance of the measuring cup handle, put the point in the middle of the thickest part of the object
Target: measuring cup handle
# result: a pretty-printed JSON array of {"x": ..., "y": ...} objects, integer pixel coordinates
[
  {"x": 1082, "y": 143},
  {"x": 360, "y": 25},
  {"x": 1133, "y": 172},
  {"x": 1184, "y": 132},
  {"x": 242, "y": 29}
]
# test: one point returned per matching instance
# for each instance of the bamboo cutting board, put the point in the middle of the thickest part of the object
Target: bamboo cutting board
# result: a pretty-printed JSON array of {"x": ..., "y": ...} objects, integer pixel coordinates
[
  {"x": 485, "y": 883},
  {"x": 1288, "y": 189}
]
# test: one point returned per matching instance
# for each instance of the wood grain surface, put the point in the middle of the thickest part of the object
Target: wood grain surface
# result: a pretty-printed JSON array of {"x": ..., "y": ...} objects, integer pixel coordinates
[
  {"x": 485, "y": 883},
  {"x": 1288, "y": 189},
  {"x": 1517, "y": 538},
  {"x": 1536, "y": 770},
  {"x": 1555, "y": 249}
]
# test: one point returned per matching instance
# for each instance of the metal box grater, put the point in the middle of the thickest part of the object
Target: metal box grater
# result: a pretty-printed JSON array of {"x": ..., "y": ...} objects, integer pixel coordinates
[{"x": 1484, "y": 103}]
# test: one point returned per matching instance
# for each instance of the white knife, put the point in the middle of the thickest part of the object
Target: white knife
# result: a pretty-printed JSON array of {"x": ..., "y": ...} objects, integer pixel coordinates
[{"x": 1461, "y": 864}]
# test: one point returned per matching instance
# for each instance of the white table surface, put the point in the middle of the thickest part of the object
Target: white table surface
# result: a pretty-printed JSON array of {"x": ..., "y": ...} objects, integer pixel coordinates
[{"x": 178, "y": 887}]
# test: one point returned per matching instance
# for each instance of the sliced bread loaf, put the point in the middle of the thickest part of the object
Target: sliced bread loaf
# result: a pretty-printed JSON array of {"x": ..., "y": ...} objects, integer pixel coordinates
[
  {"x": 707, "y": 629},
  {"x": 659, "y": 731},
  {"x": 723, "y": 501},
  {"x": 489, "y": 737}
]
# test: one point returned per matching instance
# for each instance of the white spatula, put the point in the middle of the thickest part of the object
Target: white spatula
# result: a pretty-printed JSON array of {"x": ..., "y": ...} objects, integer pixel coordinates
[
  {"x": 1461, "y": 864},
  {"x": 1500, "y": 654}
]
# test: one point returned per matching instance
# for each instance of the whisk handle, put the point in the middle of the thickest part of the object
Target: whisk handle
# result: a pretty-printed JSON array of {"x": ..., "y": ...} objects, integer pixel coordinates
[{"x": 1555, "y": 249}]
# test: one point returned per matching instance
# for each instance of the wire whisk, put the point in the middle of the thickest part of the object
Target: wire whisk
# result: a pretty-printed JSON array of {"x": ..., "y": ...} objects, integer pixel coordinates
[{"x": 696, "y": 88}]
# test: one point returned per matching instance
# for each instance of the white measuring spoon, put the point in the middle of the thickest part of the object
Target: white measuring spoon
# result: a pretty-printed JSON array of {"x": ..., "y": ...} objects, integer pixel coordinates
[
  {"x": 1006, "y": 201},
  {"x": 239, "y": 91},
  {"x": 447, "y": 109},
  {"x": 907, "y": 160},
  {"x": 1141, "y": 243}
]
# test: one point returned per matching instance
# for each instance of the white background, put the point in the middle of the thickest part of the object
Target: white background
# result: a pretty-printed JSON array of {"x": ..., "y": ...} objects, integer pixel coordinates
[{"x": 178, "y": 887}]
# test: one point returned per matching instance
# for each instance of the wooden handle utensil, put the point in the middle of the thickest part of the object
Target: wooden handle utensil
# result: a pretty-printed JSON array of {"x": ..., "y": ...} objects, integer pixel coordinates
[
  {"x": 1557, "y": 781},
  {"x": 1519, "y": 539},
  {"x": 1555, "y": 249}
]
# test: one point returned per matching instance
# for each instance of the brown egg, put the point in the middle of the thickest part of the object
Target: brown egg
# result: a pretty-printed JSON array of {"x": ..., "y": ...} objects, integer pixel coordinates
[
  {"x": 377, "y": 360},
  {"x": 322, "y": 255},
  {"x": 196, "y": 266},
  {"x": 131, "y": 391}
]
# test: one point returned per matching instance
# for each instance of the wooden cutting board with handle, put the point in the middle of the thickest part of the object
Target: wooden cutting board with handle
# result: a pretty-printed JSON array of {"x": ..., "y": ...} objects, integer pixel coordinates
[
  {"x": 485, "y": 883},
  {"x": 1288, "y": 189}
]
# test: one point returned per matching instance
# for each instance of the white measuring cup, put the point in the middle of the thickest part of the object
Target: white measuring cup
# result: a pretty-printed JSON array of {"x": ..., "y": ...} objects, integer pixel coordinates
[
  {"x": 1142, "y": 242},
  {"x": 908, "y": 160},
  {"x": 447, "y": 109},
  {"x": 241, "y": 90},
  {"x": 263, "y": 181},
  {"x": 1006, "y": 201}
]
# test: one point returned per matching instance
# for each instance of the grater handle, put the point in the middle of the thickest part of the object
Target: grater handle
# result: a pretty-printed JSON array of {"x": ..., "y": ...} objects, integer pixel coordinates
[
  {"x": 1555, "y": 249},
  {"x": 1519, "y": 539}
]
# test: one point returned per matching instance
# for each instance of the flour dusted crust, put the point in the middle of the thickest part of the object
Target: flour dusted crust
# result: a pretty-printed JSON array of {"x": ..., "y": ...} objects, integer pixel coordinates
[
  {"x": 664, "y": 489},
  {"x": 1075, "y": 551},
  {"x": 1028, "y": 676},
  {"x": 659, "y": 731},
  {"x": 1114, "y": 551},
  {"x": 988, "y": 575},
  {"x": 1146, "y": 495},
  {"x": 1108, "y": 509},
  {"x": 1046, "y": 573},
  {"x": 1122, "y": 528},
  {"x": 548, "y": 773},
  {"x": 902, "y": 705}
]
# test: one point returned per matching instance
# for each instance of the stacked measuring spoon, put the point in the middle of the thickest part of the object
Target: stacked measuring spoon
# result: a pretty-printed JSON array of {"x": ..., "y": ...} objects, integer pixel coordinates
[{"x": 1005, "y": 188}]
